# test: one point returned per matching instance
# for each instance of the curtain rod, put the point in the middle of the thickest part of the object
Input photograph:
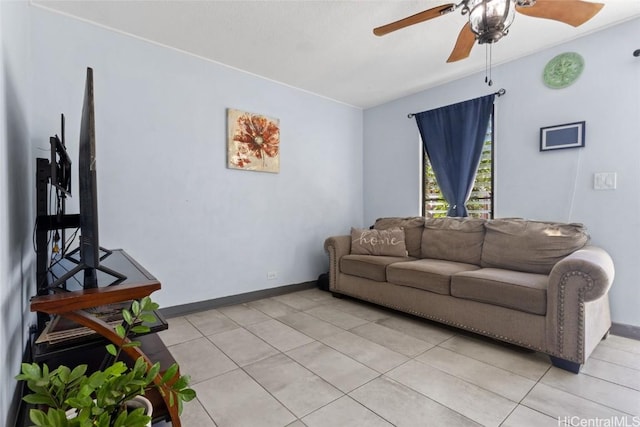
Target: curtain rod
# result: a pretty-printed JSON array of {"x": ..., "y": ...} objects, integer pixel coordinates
[{"x": 499, "y": 93}]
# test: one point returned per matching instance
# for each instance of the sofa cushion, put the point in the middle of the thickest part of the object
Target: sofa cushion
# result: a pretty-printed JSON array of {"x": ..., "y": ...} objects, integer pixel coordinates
[
  {"x": 513, "y": 289},
  {"x": 432, "y": 275},
  {"x": 530, "y": 246},
  {"x": 453, "y": 239},
  {"x": 368, "y": 266},
  {"x": 412, "y": 226},
  {"x": 378, "y": 242}
]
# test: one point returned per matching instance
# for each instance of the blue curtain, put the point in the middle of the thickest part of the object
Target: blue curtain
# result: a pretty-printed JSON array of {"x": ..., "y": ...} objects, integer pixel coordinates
[{"x": 453, "y": 137}]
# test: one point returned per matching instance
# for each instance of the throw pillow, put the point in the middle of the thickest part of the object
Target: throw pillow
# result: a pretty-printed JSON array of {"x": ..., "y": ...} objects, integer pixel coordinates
[
  {"x": 530, "y": 246},
  {"x": 453, "y": 239},
  {"x": 412, "y": 231},
  {"x": 378, "y": 242}
]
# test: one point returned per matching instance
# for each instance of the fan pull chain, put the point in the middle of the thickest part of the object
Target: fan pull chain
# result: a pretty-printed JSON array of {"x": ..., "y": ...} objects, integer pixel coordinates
[
  {"x": 486, "y": 63},
  {"x": 488, "y": 53}
]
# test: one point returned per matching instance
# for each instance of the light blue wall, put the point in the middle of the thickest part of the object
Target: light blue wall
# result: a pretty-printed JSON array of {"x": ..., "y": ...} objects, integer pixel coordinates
[
  {"x": 165, "y": 193},
  {"x": 17, "y": 275},
  {"x": 555, "y": 185}
]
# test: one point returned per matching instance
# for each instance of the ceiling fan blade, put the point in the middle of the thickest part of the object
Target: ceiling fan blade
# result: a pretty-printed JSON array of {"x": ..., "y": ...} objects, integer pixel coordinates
[
  {"x": 572, "y": 12},
  {"x": 414, "y": 19},
  {"x": 462, "y": 49}
]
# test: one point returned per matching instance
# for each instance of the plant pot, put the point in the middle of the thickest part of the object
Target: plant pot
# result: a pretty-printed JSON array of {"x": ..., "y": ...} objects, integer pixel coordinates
[{"x": 135, "y": 403}]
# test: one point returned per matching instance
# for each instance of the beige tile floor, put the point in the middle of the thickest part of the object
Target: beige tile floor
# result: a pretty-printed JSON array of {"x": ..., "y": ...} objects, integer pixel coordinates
[{"x": 308, "y": 359}]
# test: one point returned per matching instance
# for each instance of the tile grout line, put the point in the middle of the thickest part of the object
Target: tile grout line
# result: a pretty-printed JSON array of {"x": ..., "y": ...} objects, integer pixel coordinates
[{"x": 321, "y": 302}]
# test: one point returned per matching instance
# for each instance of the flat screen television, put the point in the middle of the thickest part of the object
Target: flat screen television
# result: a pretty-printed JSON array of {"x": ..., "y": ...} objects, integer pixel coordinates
[
  {"x": 88, "y": 191},
  {"x": 89, "y": 250}
]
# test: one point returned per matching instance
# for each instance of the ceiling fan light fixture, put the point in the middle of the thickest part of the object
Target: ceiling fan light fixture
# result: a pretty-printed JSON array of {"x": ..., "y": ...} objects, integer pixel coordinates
[{"x": 490, "y": 19}]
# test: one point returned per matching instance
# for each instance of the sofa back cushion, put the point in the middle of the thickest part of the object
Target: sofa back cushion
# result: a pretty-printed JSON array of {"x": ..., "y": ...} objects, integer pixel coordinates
[
  {"x": 453, "y": 239},
  {"x": 412, "y": 226},
  {"x": 530, "y": 246},
  {"x": 378, "y": 242}
]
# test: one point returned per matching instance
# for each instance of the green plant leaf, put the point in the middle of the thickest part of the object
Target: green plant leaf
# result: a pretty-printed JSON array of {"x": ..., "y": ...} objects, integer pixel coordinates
[
  {"x": 170, "y": 373},
  {"x": 87, "y": 387},
  {"x": 147, "y": 305},
  {"x": 182, "y": 382},
  {"x": 126, "y": 315},
  {"x": 38, "y": 417},
  {"x": 80, "y": 402},
  {"x": 39, "y": 399},
  {"x": 111, "y": 349},
  {"x": 137, "y": 417},
  {"x": 187, "y": 394},
  {"x": 140, "y": 329},
  {"x": 150, "y": 305},
  {"x": 135, "y": 307},
  {"x": 82, "y": 418},
  {"x": 104, "y": 420},
  {"x": 56, "y": 417},
  {"x": 140, "y": 364},
  {"x": 63, "y": 373},
  {"x": 145, "y": 302},
  {"x": 77, "y": 372},
  {"x": 117, "y": 369},
  {"x": 148, "y": 317},
  {"x": 121, "y": 331},
  {"x": 30, "y": 371},
  {"x": 153, "y": 371},
  {"x": 42, "y": 382}
]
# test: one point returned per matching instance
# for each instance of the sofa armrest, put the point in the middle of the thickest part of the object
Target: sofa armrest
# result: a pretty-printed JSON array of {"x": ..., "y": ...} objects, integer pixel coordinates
[
  {"x": 336, "y": 247},
  {"x": 577, "y": 303},
  {"x": 593, "y": 264}
]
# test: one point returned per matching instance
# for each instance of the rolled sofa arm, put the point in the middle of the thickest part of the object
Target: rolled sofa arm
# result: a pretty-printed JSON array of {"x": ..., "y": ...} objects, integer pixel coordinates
[
  {"x": 577, "y": 303},
  {"x": 593, "y": 264},
  {"x": 336, "y": 247}
]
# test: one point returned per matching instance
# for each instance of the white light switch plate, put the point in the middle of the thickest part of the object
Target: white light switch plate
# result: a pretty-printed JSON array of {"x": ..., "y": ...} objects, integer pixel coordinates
[{"x": 604, "y": 180}]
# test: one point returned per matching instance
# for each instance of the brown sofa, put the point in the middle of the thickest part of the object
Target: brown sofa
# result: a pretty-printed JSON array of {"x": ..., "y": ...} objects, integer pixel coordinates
[{"x": 538, "y": 285}]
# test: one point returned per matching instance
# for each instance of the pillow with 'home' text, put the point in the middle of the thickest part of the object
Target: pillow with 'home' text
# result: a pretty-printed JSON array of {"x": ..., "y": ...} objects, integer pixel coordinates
[{"x": 388, "y": 242}]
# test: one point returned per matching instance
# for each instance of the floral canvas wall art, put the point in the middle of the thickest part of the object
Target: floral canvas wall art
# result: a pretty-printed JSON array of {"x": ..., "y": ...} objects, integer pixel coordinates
[{"x": 253, "y": 142}]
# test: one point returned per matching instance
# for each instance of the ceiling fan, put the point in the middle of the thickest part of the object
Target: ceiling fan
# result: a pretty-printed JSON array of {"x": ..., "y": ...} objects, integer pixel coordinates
[{"x": 489, "y": 20}]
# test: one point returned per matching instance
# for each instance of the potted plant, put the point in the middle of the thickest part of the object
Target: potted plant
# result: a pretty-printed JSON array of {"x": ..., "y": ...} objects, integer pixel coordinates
[{"x": 70, "y": 398}]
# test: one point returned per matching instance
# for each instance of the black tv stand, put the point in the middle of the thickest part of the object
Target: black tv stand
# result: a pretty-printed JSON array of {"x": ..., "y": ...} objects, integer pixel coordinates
[{"x": 90, "y": 273}]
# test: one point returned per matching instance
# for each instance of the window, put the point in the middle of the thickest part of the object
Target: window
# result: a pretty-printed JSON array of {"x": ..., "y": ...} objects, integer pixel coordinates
[{"x": 480, "y": 204}]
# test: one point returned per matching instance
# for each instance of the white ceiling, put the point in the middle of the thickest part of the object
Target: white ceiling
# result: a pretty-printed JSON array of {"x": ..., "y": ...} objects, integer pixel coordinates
[{"x": 327, "y": 47}]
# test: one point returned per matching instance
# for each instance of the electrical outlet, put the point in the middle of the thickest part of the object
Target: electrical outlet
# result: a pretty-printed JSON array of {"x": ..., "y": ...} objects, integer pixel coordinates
[{"x": 272, "y": 275}]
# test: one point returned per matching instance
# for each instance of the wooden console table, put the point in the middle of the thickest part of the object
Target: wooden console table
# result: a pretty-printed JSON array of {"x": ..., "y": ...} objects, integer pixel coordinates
[{"x": 72, "y": 302}]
